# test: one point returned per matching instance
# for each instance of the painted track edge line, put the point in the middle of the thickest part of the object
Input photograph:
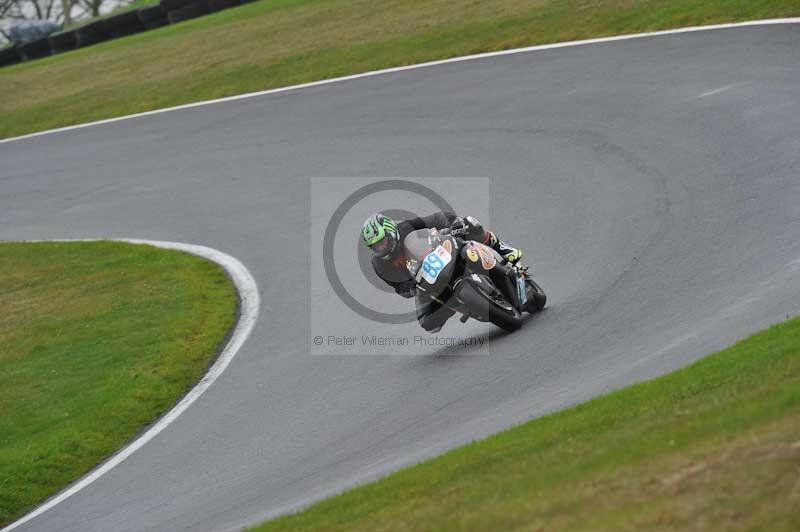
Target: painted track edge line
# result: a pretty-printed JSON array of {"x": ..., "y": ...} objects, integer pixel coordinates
[
  {"x": 248, "y": 314},
  {"x": 566, "y": 44}
]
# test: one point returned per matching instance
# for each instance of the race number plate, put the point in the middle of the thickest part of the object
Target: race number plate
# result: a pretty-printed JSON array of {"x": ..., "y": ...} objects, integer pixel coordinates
[{"x": 434, "y": 263}]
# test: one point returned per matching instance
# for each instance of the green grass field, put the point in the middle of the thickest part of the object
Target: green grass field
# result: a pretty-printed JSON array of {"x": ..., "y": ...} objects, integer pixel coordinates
[
  {"x": 714, "y": 446},
  {"x": 96, "y": 341},
  {"x": 275, "y": 43}
]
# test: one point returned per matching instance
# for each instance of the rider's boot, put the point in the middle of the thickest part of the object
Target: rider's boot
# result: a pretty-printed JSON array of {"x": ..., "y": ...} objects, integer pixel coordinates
[{"x": 511, "y": 254}]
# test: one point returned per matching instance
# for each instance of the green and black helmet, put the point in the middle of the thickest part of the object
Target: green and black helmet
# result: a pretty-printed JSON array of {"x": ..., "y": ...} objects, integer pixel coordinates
[{"x": 381, "y": 235}]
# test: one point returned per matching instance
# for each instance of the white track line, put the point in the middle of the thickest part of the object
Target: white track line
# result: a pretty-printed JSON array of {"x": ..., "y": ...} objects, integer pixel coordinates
[
  {"x": 248, "y": 313},
  {"x": 413, "y": 67}
]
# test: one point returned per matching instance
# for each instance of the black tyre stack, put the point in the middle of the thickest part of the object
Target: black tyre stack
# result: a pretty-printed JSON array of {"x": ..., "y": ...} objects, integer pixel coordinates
[
  {"x": 180, "y": 10},
  {"x": 91, "y": 34},
  {"x": 219, "y": 5},
  {"x": 123, "y": 24},
  {"x": 36, "y": 49},
  {"x": 153, "y": 17},
  {"x": 63, "y": 41},
  {"x": 9, "y": 56}
]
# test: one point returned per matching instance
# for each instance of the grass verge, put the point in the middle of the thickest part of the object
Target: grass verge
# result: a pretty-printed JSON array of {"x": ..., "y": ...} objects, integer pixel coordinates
[
  {"x": 714, "y": 446},
  {"x": 96, "y": 341},
  {"x": 275, "y": 43}
]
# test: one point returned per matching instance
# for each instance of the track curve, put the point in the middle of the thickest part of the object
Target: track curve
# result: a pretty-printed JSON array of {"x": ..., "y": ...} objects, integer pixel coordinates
[
  {"x": 653, "y": 183},
  {"x": 248, "y": 307}
]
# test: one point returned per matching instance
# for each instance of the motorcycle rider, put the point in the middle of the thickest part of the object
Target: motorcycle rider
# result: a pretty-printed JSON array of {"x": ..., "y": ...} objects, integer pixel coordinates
[{"x": 384, "y": 237}]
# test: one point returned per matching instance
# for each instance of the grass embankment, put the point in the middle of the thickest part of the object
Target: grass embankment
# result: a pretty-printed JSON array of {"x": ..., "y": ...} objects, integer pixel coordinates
[
  {"x": 275, "y": 43},
  {"x": 96, "y": 341},
  {"x": 714, "y": 446}
]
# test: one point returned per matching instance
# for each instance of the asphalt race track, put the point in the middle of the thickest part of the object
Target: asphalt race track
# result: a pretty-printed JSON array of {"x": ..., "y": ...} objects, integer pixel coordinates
[{"x": 654, "y": 185}]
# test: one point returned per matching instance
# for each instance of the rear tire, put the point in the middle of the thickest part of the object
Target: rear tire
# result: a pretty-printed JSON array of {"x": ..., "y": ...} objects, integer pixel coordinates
[{"x": 501, "y": 312}]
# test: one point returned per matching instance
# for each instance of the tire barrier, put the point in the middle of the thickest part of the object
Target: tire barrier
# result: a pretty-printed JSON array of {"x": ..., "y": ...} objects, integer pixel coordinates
[
  {"x": 36, "y": 49},
  {"x": 151, "y": 14},
  {"x": 219, "y": 5},
  {"x": 153, "y": 17},
  {"x": 156, "y": 24},
  {"x": 9, "y": 56},
  {"x": 130, "y": 22},
  {"x": 63, "y": 41},
  {"x": 123, "y": 24},
  {"x": 172, "y": 5},
  {"x": 91, "y": 34},
  {"x": 189, "y": 11}
]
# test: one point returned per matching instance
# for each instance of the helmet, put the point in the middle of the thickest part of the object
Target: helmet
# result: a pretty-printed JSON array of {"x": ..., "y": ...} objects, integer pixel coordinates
[{"x": 381, "y": 235}]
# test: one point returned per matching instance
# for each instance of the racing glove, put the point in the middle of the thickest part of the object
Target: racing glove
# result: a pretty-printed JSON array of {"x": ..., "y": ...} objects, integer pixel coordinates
[{"x": 467, "y": 227}]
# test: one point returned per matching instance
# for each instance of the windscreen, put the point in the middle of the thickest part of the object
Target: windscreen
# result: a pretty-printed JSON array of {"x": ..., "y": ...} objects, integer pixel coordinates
[{"x": 417, "y": 245}]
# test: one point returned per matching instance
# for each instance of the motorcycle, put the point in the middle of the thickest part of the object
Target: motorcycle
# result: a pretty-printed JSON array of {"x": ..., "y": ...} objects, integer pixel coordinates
[{"x": 471, "y": 278}]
